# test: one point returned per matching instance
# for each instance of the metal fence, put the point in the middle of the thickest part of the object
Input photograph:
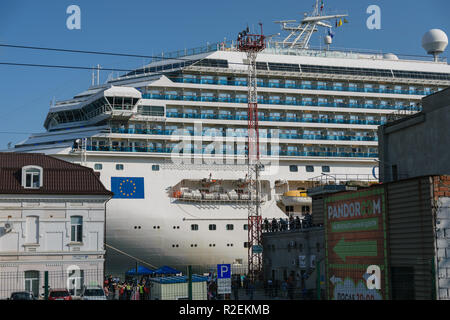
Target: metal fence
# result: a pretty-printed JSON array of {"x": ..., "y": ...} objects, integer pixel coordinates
[{"x": 41, "y": 282}]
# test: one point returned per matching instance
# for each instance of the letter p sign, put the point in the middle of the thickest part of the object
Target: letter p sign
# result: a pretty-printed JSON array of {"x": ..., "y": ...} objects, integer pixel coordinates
[
  {"x": 373, "y": 281},
  {"x": 223, "y": 271}
]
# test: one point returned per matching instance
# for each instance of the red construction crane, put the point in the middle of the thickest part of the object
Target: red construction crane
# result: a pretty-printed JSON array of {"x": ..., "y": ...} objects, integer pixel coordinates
[{"x": 251, "y": 44}]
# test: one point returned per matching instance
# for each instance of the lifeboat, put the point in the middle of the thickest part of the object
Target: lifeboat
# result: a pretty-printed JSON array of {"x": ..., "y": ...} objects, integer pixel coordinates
[{"x": 295, "y": 197}]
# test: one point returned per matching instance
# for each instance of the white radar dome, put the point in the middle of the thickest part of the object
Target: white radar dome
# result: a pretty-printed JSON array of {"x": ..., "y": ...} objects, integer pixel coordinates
[
  {"x": 435, "y": 41},
  {"x": 328, "y": 40},
  {"x": 390, "y": 56}
]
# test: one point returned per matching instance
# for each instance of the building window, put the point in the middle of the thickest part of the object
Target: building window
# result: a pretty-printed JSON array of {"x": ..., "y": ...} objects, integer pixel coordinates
[
  {"x": 76, "y": 229},
  {"x": 245, "y": 226},
  {"x": 325, "y": 168},
  {"x": 230, "y": 227},
  {"x": 194, "y": 227},
  {"x": 98, "y": 166},
  {"x": 293, "y": 168},
  {"x": 32, "y": 177},
  {"x": 155, "y": 167},
  {"x": 119, "y": 166},
  {"x": 245, "y": 244},
  {"x": 212, "y": 227},
  {"x": 289, "y": 209},
  {"x": 309, "y": 168}
]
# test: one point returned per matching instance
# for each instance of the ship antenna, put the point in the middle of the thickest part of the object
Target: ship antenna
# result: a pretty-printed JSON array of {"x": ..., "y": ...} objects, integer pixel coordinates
[{"x": 308, "y": 25}]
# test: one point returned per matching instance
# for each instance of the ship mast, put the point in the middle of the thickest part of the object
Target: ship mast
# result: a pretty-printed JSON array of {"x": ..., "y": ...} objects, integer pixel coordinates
[{"x": 301, "y": 32}]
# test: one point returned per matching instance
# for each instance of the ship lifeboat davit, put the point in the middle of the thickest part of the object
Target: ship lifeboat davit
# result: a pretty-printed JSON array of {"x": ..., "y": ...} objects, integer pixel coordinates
[{"x": 295, "y": 197}]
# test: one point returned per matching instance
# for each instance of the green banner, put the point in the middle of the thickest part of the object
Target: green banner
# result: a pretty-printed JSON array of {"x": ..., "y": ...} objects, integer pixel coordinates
[{"x": 351, "y": 225}]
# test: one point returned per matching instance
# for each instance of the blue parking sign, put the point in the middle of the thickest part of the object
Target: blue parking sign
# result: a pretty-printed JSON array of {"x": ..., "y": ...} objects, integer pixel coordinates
[{"x": 223, "y": 271}]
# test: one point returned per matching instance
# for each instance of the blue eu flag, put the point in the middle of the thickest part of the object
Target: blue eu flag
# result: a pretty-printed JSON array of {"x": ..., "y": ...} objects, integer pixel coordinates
[{"x": 127, "y": 187}]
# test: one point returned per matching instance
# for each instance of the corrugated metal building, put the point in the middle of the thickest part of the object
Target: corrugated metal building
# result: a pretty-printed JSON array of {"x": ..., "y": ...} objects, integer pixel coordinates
[{"x": 417, "y": 235}]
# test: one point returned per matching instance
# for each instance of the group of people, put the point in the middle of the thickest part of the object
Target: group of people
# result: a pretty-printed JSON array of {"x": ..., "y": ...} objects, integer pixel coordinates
[
  {"x": 287, "y": 287},
  {"x": 127, "y": 290},
  {"x": 287, "y": 224}
]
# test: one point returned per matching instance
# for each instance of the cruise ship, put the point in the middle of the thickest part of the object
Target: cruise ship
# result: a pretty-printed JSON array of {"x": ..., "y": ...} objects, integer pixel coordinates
[{"x": 169, "y": 138}]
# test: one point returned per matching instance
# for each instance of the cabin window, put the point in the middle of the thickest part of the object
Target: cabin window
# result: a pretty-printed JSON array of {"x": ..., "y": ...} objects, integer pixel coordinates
[
  {"x": 119, "y": 166},
  {"x": 194, "y": 227},
  {"x": 325, "y": 168},
  {"x": 230, "y": 227},
  {"x": 309, "y": 168},
  {"x": 293, "y": 168},
  {"x": 98, "y": 166},
  {"x": 212, "y": 227},
  {"x": 155, "y": 167}
]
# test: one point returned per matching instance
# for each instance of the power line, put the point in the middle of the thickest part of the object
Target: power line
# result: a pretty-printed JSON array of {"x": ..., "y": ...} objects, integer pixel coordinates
[
  {"x": 90, "y": 52},
  {"x": 61, "y": 66},
  {"x": 103, "y": 53},
  {"x": 12, "y": 132}
]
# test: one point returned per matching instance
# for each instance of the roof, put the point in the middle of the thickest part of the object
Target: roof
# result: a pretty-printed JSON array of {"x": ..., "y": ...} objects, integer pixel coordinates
[
  {"x": 178, "y": 279},
  {"x": 166, "y": 270},
  {"x": 141, "y": 271},
  {"x": 59, "y": 177}
]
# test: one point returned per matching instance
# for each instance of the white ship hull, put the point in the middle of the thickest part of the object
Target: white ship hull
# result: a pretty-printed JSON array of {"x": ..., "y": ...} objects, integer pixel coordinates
[{"x": 158, "y": 246}]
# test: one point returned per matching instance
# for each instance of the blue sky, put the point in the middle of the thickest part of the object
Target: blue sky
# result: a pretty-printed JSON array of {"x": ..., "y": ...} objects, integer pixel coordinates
[{"x": 148, "y": 27}]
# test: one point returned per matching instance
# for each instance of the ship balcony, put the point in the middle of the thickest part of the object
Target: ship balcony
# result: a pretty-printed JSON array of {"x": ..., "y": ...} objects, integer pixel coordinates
[
  {"x": 274, "y": 118},
  {"x": 411, "y": 108},
  {"x": 281, "y": 85},
  {"x": 209, "y": 151},
  {"x": 217, "y": 191},
  {"x": 220, "y": 133}
]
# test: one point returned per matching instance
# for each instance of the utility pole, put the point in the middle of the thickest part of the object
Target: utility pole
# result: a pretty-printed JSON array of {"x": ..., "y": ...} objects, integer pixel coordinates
[{"x": 251, "y": 44}]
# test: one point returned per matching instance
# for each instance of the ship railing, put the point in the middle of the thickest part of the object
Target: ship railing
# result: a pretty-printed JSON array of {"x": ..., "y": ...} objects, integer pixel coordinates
[
  {"x": 344, "y": 179},
  {"x": 283, "y": 102},
  {"x": 274, "y": 118},
  {"x": 207, "y": 133},
  {"x": 209, "y": 151},
  {"x": 302, "y": 86}
]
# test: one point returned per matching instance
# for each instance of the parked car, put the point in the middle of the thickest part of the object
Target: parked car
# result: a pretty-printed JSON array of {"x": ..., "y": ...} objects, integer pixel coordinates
[
  {"x": 22, "y": 295},
  {"x": 59, "y": 294},
  {"x": 93, "y": 293}
]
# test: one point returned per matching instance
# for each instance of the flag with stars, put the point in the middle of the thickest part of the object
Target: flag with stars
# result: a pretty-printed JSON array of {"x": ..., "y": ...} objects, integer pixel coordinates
[{"x": 128, "y": 187}]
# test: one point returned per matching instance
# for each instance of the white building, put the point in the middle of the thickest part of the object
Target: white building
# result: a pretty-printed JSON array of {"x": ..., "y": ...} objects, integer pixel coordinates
[{"x": 52, "y": 218}]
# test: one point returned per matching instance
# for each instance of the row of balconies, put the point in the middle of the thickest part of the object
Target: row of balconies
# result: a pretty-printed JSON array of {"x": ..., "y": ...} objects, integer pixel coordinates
[
  {"x": 291, "y": 84},
  {"x": 293, "y": 102},
  {"x": 231, "y": 151},
  {"x": 216, "y": 132}
]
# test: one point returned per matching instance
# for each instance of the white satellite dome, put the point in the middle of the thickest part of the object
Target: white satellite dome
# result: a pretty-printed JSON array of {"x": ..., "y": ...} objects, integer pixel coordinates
[
  {"x": 328, "y": 40},
  {"x": 390, "y": 56},
  {"x": 434, "y": 41}
]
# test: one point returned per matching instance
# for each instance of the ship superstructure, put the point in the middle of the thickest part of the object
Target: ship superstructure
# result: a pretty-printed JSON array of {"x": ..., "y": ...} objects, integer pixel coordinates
[{"x": 180, "y": 125}]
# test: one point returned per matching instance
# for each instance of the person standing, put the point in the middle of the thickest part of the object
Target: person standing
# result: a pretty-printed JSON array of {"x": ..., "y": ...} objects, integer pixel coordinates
[
  {"x": 251, "y": 289},
  {"x": 235, "y": 289}
]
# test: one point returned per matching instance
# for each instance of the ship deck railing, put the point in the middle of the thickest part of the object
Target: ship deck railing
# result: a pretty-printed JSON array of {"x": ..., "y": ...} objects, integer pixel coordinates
[
  {"x": 210, "y": 151},
  {"x": 227, "y": 134},
  {"x": 274, "y": 118},
  {"x": 239, "y": 201},
  {"x": 302, "y": 86},
  {"x": 281, "y": 102}
]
